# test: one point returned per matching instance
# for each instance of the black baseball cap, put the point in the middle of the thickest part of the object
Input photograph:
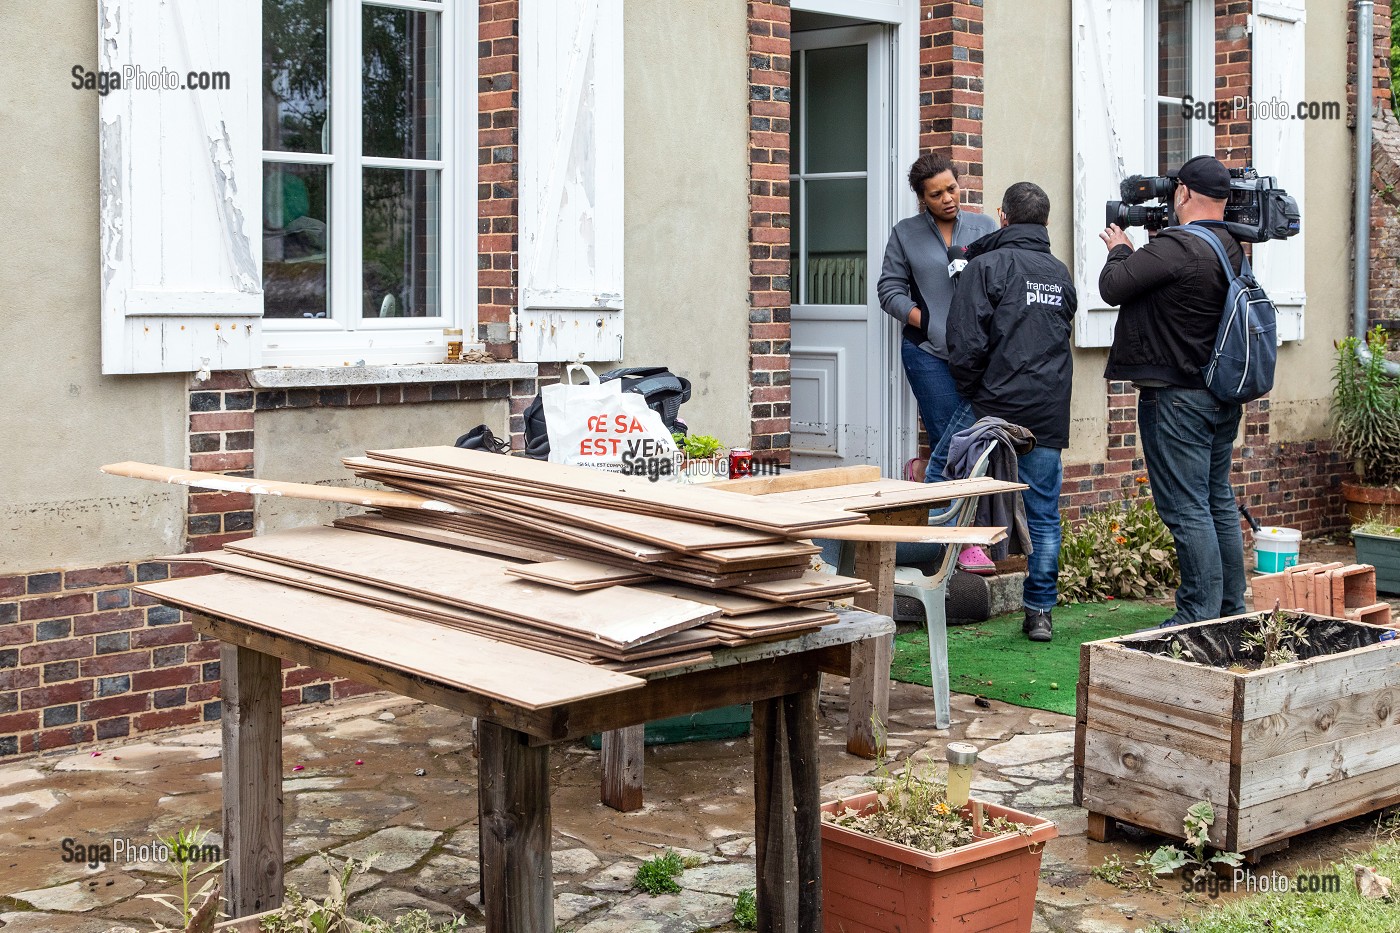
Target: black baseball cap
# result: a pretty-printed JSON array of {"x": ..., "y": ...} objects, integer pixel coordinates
[{"x": 1205, "y": 175}]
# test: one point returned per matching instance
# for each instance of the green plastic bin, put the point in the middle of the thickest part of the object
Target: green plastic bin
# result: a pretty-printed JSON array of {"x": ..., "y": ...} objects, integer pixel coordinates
[{"x": 728, "y": 722}]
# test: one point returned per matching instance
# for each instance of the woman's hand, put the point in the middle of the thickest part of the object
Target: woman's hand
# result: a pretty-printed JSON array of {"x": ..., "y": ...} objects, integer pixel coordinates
[{"x": 916, "y": 318}]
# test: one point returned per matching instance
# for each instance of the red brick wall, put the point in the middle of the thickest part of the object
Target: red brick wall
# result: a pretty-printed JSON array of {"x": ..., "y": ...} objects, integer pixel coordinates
[
  {"x": 1380, "y": 51},
  {"x": 1232, "y": 79},
  {"x": 220, "y": 441},
  {"x": 498, "y": 178},
  {"x": 950, "y": 88}
]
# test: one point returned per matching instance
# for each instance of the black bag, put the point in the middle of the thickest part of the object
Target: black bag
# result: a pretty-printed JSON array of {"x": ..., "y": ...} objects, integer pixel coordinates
[
  {"x": 663, "y": 390},
  {"x": 1241, "y": 367}
]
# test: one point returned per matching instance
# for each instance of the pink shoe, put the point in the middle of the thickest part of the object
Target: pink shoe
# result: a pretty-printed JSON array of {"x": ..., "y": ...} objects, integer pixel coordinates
[{"x": 975, "y": 560}]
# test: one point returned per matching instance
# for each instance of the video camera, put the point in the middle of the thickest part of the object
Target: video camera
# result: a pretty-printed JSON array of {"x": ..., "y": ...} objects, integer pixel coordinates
[{"x": 1257, "y": 209}]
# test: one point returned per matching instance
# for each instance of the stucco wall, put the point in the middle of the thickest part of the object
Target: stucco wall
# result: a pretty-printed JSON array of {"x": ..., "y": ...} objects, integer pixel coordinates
[
  {"x": 686, "y": 274},
  {"x": 306, "y": 445},
  {"x": 1027, "y": 135},
  {"x": 60, "y": 419},
  {"x": 1303, "y": 388}
]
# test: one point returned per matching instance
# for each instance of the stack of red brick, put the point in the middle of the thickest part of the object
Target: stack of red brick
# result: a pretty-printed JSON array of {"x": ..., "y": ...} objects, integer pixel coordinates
[{"x": 1338, "y": 590}]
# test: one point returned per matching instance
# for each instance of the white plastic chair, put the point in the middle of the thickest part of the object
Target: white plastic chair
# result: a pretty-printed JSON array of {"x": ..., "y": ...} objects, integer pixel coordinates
[{"x": 932, "y": 591}]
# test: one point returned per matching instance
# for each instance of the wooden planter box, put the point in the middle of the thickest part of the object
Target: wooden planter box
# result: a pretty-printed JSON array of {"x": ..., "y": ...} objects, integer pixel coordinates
[
  {"x": 1277, "y": 752},
  {"x": 869, "y": 884}
]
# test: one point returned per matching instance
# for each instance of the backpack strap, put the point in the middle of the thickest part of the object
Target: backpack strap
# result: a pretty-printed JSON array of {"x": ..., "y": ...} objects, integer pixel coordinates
[{"x": 1205, "y": 233}]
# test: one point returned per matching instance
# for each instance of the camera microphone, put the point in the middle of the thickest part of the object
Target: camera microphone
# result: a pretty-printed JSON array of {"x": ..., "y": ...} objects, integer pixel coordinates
[{"x": 957, "y": 259}]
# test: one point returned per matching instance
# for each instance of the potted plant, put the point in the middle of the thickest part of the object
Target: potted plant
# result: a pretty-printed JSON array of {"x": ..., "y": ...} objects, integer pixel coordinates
[
  {"x": 701, "y": 460},
  {"x": 1378, "y": 544},
  {"x": 1281, "y": 721},
  {"x": 901, "y": 857},
  {"x": 1366, "y": 421}
]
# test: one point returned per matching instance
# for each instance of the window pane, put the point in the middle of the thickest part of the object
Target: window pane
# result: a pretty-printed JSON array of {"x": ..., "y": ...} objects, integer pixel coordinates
[
  {"x": 836, "y": 104},
  {"x": 401, "y": 244},
  {"x": 795, "y": 251},
  {"x": 799, "y": 60},
  {"x": 401, "y": 83},
  {"x": 295, "y": 95},
  {"x": 1172, "y": 138},
  {"x": 295, "y": 240},
  {"x": 836, "y": 241},
  {"x": 1173, "y": 48}
]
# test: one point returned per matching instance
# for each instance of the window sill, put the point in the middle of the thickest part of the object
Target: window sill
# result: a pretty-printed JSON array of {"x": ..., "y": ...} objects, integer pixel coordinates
[{"x": 317, "y": 377}]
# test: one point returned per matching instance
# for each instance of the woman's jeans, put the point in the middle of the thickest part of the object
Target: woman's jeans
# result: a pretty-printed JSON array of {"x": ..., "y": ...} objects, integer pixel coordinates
[
  {"x": 938, "y": 400},
  {"x": 1187, "y": 439}
]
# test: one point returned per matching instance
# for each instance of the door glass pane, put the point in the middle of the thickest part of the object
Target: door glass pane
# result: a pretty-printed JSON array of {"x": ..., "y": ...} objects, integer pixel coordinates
[
  {"x": 836, "y": 105},
  {"x": 1172, "y": 138},
  {"x": 1173, "y": 48},
  {"x": 401, "y": 83},
  {"x": 295, "y": 70},
  {"x": 401, "y": 245},
  {"x": 836, "y": 241},
  {"x": 295, "y": 246}
]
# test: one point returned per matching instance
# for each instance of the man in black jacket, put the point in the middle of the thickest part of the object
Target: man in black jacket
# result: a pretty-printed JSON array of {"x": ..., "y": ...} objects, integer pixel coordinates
[
  {"x": 1009, "y": 352},
  {"x": 1171, "y": 294}
]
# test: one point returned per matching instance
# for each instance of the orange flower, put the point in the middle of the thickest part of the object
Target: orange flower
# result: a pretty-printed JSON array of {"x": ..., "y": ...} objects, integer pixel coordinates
[
  {"x": 1121, "y": 540},
  {"x": 1141, "y": 480}
]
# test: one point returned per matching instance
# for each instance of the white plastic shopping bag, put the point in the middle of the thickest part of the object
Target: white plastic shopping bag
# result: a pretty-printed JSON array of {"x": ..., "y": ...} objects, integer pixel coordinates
[{"x": 595, "y": 424}]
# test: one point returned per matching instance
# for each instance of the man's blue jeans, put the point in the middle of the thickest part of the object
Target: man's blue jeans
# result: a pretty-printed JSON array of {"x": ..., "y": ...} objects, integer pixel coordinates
[
  {"x": 1187, "y": 438},
  {"x": 1042, "y": 471},
  {"x": 937, "y": 396}
]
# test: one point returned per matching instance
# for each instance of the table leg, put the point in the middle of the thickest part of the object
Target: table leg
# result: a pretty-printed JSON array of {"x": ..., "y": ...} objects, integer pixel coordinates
[
  {"x": 869, "y": 701},
  {"x": 787, "y": 817},
  {"x": 624, "y": 763},
  {"x": 252, "y": 764},
  {"x": 516, "y": 871}
]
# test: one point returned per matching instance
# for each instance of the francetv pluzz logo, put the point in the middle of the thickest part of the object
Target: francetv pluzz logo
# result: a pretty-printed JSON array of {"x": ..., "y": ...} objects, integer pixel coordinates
[
  {"x": 1215, "y": 112},
  {"x": 136, "y": 78}
]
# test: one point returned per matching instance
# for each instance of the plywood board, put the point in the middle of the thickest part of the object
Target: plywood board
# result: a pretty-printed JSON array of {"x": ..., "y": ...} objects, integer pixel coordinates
[
  {"x": 731, "y": 604},
  {"x": 482, "y": 545},
  {"x": 629, "y": 493},
  {"x": 517, "y": 676},
  {"x": 576, "y": 574},
  {"x": 806, "y": 479},
  {"x": 810, "y": 586},
  {"x": 919, "y": 534},
  {"x": 617, "y": 615},
  {"x": 895, "y": 493}
]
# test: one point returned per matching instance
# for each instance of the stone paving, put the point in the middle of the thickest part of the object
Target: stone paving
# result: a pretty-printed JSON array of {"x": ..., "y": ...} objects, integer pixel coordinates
[{"x": 395, "y": 777}]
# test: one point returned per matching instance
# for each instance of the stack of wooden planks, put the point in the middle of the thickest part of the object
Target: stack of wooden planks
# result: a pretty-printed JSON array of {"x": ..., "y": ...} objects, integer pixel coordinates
[{"x": 599, "y": 569}]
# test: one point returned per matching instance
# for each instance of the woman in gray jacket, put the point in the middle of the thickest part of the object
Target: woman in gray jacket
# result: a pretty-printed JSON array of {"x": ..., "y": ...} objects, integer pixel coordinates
[{"x": 916, "y": 287}]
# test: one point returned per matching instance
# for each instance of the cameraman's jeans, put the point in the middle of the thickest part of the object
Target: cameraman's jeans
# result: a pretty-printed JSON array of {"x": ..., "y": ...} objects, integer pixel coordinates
[
  {"x": 1187, "y": 437},
  {"x": 937, "y": 396}
]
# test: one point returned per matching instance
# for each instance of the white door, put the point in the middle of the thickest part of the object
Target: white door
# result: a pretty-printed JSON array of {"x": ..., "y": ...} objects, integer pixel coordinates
[{"x": 842, "y": 407}]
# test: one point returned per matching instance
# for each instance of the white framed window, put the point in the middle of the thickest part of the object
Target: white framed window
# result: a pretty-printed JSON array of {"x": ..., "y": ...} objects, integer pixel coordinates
[
  {"x": 368, "y": 179},
  {"x": 1181, "y": 41}
]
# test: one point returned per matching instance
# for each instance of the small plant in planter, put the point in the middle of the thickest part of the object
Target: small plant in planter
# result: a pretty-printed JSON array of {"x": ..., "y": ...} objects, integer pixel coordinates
[
  {"x": 1378, "y": 544},
  {"x": 903, "y": 844},
  {"x": 1366, "y": 421}
]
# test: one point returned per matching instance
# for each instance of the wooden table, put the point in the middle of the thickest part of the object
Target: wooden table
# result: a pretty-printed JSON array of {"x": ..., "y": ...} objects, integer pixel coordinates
[{"x": 782, "y": 679}]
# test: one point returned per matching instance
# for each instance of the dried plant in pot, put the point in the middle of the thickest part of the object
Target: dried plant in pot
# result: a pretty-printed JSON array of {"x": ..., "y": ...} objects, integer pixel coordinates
[
  {"x": 900, "y": 857},
  {"x": 1366, "y": 424}
]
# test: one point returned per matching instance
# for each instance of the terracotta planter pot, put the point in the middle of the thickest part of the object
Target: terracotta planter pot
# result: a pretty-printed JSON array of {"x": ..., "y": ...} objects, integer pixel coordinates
[
  {"x": 1365, "y": 503},
  {"x": 871, "y": 885}
]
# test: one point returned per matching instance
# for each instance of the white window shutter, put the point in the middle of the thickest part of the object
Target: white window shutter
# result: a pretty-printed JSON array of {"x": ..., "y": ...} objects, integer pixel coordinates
[
  {"x": 181, "y": 188},
  {"x": 1278, "y": 61},
  {"x": 1110, "y": 140},
  {"x": 571, "y": 183}
]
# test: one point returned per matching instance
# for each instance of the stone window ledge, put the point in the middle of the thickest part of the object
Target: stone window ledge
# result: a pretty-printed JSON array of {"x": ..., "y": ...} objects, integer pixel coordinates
[{"x": 315, "y": 377}]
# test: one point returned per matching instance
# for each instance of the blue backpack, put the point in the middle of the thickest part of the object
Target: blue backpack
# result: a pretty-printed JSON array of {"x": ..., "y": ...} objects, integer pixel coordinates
[{"x": 1241, "y": 367}]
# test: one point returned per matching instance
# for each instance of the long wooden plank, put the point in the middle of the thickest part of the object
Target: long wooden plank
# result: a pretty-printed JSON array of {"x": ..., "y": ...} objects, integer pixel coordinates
[
  {"x": 1164, "y": 680},
  {"x": 774, "y": 620},
  {"x": 730, "y": 603},
  {"x": 1334, "y": 763},
  {"x": 1169, "y": 768},
  {"x": 1324, "y": 804},
  {"x": 481, "y": 544},
  {"x": 631, "y": 493},
  {"x": 894, "y": 493},
  {"x": 1150, "y": 807},
  {"x": 531, "y": 680},
  {"x": 575, "y": 574},
  {"x": 617, "y": 615},
  {"x": 811, "y": 585},
  {"x": 806, "y": 479},
  {"x": 919, "y": 534},
  {"x": 1338, "y": 718},
  {"x": 1164, "y": 724},
  {"x": 1302, "y": 684},
  {"x": 370, "y": 498}
]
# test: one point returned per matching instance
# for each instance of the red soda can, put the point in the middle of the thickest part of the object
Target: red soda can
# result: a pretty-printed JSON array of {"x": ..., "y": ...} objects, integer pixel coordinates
[{"x": 740, "y": 462}]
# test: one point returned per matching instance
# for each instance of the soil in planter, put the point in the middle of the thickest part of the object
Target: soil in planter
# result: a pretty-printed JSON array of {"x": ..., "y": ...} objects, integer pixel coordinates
[{"x": 1221, "y": 644}]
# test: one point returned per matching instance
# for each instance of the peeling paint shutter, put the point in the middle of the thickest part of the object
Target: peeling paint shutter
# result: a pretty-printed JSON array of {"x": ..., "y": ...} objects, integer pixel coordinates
[
  {"x": 571, "y": 181},
  {"x": 180, "y": 188},
  {"x": 1110, "y": 140},
  {"x": 1278, "y": 150}
]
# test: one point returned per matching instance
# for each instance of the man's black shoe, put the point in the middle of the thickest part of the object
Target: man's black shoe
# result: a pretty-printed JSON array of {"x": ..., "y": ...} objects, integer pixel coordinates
[{"x": 1037, "y": 625}]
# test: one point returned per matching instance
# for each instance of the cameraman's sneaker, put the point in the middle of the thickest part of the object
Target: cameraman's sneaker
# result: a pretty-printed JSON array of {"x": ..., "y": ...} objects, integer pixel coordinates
[
  {"x": 975, "y": 560},
  {"x": 1037, "y": 625}
]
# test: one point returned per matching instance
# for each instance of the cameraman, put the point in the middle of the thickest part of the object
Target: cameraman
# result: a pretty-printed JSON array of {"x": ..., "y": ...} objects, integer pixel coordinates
[{"x": 1171, "y": 293}]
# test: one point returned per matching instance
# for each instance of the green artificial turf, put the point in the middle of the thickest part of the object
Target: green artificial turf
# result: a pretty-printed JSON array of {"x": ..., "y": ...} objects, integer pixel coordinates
[{"x": 995, "y": 660}]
